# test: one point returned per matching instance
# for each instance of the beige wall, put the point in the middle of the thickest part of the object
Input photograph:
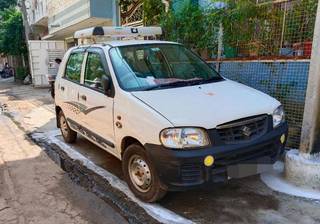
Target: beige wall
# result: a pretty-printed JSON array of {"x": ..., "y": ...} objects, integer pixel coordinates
[{"x": 55, "y": 6}]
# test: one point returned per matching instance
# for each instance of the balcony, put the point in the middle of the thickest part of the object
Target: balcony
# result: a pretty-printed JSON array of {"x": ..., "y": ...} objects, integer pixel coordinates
[
  {"x": 79, "y": 15},
  {"x": 38, "y": 15}
]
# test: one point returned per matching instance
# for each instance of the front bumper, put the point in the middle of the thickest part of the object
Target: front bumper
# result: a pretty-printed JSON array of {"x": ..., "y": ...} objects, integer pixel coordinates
[{"x": 183, "y": 169}]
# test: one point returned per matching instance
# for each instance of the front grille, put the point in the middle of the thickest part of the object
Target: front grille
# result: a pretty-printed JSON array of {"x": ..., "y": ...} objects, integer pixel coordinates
[
  {"x": 243, "y": 130},
  {"x": 191, "y": 172},
  {"x": 250, "y": 156}
]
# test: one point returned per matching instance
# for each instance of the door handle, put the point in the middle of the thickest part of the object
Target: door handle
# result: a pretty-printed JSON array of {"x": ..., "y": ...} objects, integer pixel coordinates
[
  {"x": 62, "y": 88},
  {"x": 84, "y": 97}
]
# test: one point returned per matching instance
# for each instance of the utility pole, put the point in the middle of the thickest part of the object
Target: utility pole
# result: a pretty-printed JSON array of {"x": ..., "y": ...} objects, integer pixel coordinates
[{"x": 310, "y": 137}]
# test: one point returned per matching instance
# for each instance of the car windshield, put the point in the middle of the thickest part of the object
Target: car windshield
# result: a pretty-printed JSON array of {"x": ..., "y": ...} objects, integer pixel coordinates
[{"x": 156, "y": 66}]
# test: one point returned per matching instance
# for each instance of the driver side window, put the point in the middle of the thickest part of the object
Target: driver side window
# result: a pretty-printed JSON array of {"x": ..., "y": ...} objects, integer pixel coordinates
[{"x": 94, "y": 72}]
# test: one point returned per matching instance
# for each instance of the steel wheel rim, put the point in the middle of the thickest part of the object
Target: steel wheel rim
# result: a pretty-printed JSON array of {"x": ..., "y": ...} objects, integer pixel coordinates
[
  {"x": 140, "y": 173},
  {"x": 64, "y": 126}
]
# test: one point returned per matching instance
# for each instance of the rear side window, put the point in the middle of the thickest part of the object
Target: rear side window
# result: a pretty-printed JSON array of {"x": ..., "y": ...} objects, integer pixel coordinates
[
  {"x": 74, "y": 65},
  {"x": 94, "y": 72}
]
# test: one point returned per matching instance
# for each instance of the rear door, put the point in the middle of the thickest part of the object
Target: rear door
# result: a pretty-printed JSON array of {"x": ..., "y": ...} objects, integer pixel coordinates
[
  {"x": 98, "y": 117},
  {"x": 69, "y": 85}
]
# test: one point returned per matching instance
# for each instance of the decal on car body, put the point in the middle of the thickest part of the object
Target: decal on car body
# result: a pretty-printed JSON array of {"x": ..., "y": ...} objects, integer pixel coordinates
[{"x": 78, "y": 108}]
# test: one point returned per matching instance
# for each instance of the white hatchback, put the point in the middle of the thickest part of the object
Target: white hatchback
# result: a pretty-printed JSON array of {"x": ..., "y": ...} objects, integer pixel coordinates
[{"x": 172, "y": 120}]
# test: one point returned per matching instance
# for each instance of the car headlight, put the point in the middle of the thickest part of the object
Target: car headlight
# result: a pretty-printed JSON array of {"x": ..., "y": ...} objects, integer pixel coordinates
[
  {"x": 278, "y": 116},
  {"x": 179, "y": 138}
]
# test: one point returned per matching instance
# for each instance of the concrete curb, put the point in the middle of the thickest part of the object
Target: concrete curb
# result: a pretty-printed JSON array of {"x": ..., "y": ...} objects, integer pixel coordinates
[
  {"x": 276, "y": 181},
  {"x": 303, "y": 169}
]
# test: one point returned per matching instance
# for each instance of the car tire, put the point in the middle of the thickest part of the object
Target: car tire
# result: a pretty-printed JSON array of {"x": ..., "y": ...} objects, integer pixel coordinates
[
  {"x": 68, "y": 134},
  {"x": 137, "y": 169}
]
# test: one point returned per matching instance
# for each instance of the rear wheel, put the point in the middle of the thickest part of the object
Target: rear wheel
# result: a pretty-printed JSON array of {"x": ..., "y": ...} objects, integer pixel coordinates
[
  {"x": 140, "y": 174},
  {"x": 68, "y": 135}
]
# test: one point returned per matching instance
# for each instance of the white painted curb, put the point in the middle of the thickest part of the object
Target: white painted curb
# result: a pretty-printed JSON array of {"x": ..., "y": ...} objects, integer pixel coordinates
[
  {"x": 276, "y": 181},
  {"x": 303, "y": 169}
]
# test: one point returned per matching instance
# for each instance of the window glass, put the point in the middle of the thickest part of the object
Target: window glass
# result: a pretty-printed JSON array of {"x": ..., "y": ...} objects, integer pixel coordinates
[
  {"x": 150, "y": 66},
  {"x": 74, "y": 65},
  {"x": 94, "y": 71}
]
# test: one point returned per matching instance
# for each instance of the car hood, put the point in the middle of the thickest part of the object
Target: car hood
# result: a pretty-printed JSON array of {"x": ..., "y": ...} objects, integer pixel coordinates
[{"x": 208, "y": 105}]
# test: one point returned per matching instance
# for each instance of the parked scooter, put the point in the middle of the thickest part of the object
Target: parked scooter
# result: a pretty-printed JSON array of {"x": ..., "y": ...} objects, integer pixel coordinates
[{"x": 6, "y": 72}]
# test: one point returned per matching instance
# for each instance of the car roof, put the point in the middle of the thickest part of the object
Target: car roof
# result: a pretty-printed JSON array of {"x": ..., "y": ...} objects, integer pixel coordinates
[
  {"x": 137, "y": 42},
  {"x": 119, "y": 43}
]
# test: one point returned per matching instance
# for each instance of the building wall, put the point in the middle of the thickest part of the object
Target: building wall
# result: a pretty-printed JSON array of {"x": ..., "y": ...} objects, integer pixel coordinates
[
  {"x": 67, "y": 16},
  {"x": 54, "y": 6},
  {"x": 73, "y": 12}
]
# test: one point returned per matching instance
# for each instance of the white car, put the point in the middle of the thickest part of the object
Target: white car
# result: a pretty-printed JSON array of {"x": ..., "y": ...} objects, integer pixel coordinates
[{"x": 171, "y": 119}]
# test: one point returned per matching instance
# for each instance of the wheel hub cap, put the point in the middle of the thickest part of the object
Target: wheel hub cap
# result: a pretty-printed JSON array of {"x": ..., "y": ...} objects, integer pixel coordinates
[{"x": 140, "y": 174}]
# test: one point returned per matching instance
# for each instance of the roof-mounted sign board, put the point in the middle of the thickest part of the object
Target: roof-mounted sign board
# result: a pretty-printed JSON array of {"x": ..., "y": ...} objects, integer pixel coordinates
[{"x": 118, "y": 32}]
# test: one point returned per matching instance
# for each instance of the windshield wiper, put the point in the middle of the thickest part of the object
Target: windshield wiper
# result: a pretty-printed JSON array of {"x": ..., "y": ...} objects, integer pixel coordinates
[
  {"x": 172, "y": 84},
  {"x": 184, "y": 83},
  {"x": 210, "y": 80}
]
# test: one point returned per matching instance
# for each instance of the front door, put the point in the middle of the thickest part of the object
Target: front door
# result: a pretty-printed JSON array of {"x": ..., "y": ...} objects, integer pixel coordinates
[{"x": 98, "y": 116}]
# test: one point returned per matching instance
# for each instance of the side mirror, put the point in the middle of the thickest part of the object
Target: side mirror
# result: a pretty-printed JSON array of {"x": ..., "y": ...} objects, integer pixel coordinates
[{"x": 106, "y": 84}]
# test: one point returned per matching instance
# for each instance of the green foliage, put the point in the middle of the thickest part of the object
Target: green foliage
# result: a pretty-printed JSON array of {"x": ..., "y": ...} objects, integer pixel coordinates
[
  {"x": 12, "y": 40},
  {"x": 21, "y": 73},
  {"x": 4, "y": 4},
  {"x": 301, "y": 21},
  {"x": 250, "y": 25},
  {"x": 254, "y": 29},
  {"x": 244, "y": 23},
  {"x": 190, "y": 26},
  {"x": 153, "y": 9},
  {"x": 243, "y": 19},
  {"x": 238, "y": 20}
]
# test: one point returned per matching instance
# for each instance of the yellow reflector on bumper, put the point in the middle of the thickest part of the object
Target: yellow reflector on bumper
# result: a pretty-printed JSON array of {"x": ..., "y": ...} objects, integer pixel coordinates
[
  {"x": 283, "y": 138},
  {"x": 209, "y": 161}
]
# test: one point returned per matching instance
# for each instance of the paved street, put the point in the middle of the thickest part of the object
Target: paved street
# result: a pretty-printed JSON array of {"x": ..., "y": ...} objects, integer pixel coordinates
[
  {"x": 38, "y": 183},
  {"x": 32, "y": 188}
]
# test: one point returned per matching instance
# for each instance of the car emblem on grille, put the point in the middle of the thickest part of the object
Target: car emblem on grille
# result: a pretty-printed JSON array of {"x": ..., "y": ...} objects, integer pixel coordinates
[{"x": 246, "y": 131}]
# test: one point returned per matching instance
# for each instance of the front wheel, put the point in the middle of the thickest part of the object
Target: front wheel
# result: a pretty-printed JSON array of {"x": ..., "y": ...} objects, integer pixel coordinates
[
  {"x": 140, "y": 175},
  {"x": 68, "y": 134}
]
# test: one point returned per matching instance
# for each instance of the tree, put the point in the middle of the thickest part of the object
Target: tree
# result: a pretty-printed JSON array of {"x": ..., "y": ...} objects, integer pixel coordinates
[
  {"x": 190, "y": 25},
  {"x": 153, "y": 9},
  {"x": 12, "y": 41},
  {"x": 4, "y": 4}
]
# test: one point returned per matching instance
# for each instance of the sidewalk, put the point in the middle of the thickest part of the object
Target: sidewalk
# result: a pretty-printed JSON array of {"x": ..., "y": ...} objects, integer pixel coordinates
[{"x": 32, "y": 188}]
